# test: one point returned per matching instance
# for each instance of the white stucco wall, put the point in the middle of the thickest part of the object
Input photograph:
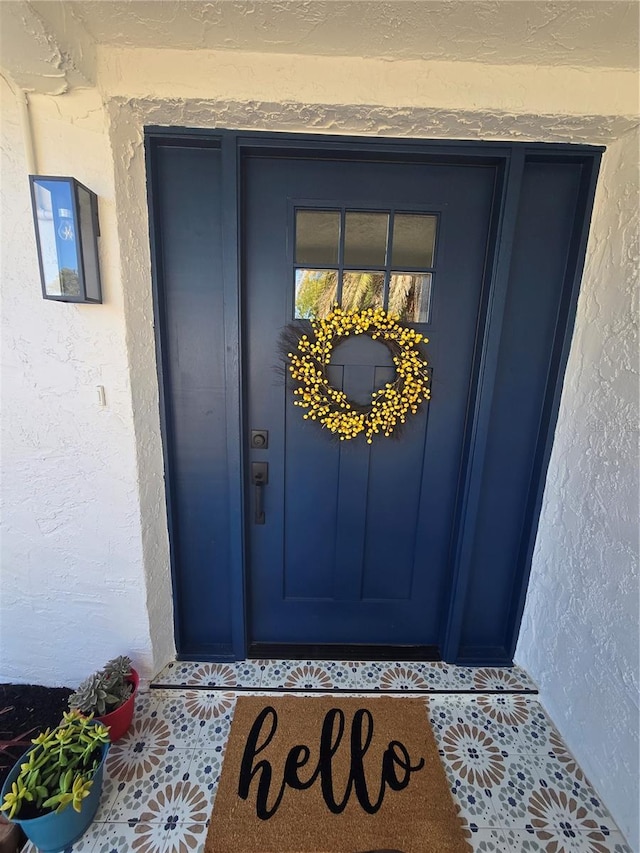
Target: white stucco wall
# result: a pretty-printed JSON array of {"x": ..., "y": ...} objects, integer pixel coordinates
[
  {"x": 72, "y": 588},
  {"x": 579, "y": 637},
  {"x": 97, "y": 583}
]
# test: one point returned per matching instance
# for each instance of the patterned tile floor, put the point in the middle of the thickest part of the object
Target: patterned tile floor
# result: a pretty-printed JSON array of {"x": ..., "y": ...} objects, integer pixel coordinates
[
  {"x": 345, "y": 675},
  {"x": 517, "y": 786}
]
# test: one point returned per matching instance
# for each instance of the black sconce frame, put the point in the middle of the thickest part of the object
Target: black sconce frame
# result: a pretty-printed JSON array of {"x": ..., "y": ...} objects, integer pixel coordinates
[{"x": 65, "y": 215}]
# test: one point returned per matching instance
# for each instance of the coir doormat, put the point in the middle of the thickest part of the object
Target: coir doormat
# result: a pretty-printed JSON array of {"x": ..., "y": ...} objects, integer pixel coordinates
[{"x": 333, "y": 775}]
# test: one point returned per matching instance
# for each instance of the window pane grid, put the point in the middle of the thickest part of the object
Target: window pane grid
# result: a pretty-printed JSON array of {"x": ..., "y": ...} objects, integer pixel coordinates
[{"x": 401, "y": 287}]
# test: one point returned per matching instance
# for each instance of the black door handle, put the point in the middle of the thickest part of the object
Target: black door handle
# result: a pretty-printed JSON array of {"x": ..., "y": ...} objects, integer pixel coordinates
[{"x": 259, "y": 478}]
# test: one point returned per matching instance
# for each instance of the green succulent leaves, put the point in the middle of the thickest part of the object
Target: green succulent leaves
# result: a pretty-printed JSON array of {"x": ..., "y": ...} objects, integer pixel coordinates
[
  {"x": 14, "y": 798},
  {"x": 106, "y": 690},
  {"x": 59, "y": 769},
  {"x": 58, "y": 772},
  {"x": 75, "y": 789}
]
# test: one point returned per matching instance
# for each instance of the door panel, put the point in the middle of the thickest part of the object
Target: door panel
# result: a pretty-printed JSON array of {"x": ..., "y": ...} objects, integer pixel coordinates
[{"x": 355, "y": 548}]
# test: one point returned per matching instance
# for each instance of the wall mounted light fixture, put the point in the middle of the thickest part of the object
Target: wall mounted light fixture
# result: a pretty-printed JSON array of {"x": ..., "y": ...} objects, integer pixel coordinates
[{"x": 66, "y": 220}]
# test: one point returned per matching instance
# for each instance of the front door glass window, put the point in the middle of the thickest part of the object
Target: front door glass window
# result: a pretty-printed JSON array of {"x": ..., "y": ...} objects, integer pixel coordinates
[
  {"x": 414, "y": 240},
  {"x": 365, "y": 238},
  {"x": 361, "y": 290},
  {"x": 410, "y": 296},
  {"x": 364, "y": 259},
  {"x": 317, "y": 237}
]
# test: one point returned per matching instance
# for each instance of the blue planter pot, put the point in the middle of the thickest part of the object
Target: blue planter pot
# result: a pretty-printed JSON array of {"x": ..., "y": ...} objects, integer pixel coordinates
[{"x": 52, "y": 832}]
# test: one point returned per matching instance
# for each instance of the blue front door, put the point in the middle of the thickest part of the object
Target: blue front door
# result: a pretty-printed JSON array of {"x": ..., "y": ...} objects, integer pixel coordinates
[{"x": 356, "y": 542}]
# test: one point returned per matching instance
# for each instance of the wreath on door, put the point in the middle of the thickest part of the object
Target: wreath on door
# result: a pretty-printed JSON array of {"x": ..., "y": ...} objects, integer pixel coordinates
[{"x": 308, "y": 356}]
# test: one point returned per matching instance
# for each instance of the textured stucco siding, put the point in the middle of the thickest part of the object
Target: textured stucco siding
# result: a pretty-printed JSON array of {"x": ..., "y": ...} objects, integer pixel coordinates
[
  {"x": 73, "y": 588},
  {"x": 579, "y": 637}
]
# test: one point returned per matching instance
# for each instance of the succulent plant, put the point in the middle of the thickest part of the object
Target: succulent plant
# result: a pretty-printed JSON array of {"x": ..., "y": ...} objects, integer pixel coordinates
[
  {"x": 59, "y": 769},
  {"x": 104, "y": 691},
  {"x": 119, "y": 667}
]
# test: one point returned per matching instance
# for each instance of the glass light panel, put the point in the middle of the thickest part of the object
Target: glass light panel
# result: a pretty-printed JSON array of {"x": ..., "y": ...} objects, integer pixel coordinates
[
  {"x": 316, "y": 293},
  {"x": 410, "y": 296},
  {"x": 317, "y": 237},
  {"x": 361, "y": 290},
  {"x": 89, "y": 247},
  {"x": 57, "y": 233},
  {"x": 365, "y": 239},
  {"x": 414, "y": 238}
]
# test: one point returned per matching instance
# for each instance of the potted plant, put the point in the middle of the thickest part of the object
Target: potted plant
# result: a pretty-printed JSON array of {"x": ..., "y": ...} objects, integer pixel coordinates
[
  {"x": 63, "y": 768},
  {"x": 109, "y": 695}
]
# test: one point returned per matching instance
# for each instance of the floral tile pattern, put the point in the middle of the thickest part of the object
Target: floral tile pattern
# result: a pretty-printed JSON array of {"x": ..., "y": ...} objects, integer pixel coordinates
[
  {"x": 135, "y": 796},
  {"x": 346, "y": 675},
  {"x": 565, "y": 841},
  {"x": 517, "y": 786},
  {"x": 191, "y": 674}
]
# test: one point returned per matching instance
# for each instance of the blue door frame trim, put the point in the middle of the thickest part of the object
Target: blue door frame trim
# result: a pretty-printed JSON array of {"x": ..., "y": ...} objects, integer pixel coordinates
[
  {"x": 510, "y": 158},
  {"x": 231, "y": 244},
  {"x": 482, "y": 387},
  {"x": 550, "y": 412}
]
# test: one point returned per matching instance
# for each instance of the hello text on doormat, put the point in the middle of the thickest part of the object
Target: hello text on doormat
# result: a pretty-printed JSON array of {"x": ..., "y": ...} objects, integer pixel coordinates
[{"x": 333, "y": 775}]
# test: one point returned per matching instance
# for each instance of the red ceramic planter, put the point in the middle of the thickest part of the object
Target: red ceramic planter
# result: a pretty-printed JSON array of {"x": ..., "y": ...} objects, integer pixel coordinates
[{"x": 120, "y": 719}]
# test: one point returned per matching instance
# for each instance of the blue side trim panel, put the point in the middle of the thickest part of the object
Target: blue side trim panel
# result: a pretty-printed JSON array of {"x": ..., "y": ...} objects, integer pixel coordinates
[
  {"x": 187, "y": 211},
  {"x": 542, "y": 279}
]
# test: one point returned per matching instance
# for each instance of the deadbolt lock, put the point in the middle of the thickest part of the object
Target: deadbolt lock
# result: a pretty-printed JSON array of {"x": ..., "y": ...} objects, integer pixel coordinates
[{"x": 259, "y": 439}]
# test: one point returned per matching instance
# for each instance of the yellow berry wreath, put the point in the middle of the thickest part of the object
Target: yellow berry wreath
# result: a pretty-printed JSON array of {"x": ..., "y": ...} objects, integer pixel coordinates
[{"x": 390, "y": 405}]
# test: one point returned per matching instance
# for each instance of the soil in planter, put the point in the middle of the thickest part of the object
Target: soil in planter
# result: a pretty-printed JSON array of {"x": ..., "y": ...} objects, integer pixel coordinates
[{"x": 26, "y": 710}]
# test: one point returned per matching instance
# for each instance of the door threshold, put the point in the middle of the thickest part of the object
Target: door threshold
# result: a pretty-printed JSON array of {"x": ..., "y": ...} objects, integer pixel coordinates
[
  {"x": 349, "y": 691},
  {"x": 342, "y": 652}
]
